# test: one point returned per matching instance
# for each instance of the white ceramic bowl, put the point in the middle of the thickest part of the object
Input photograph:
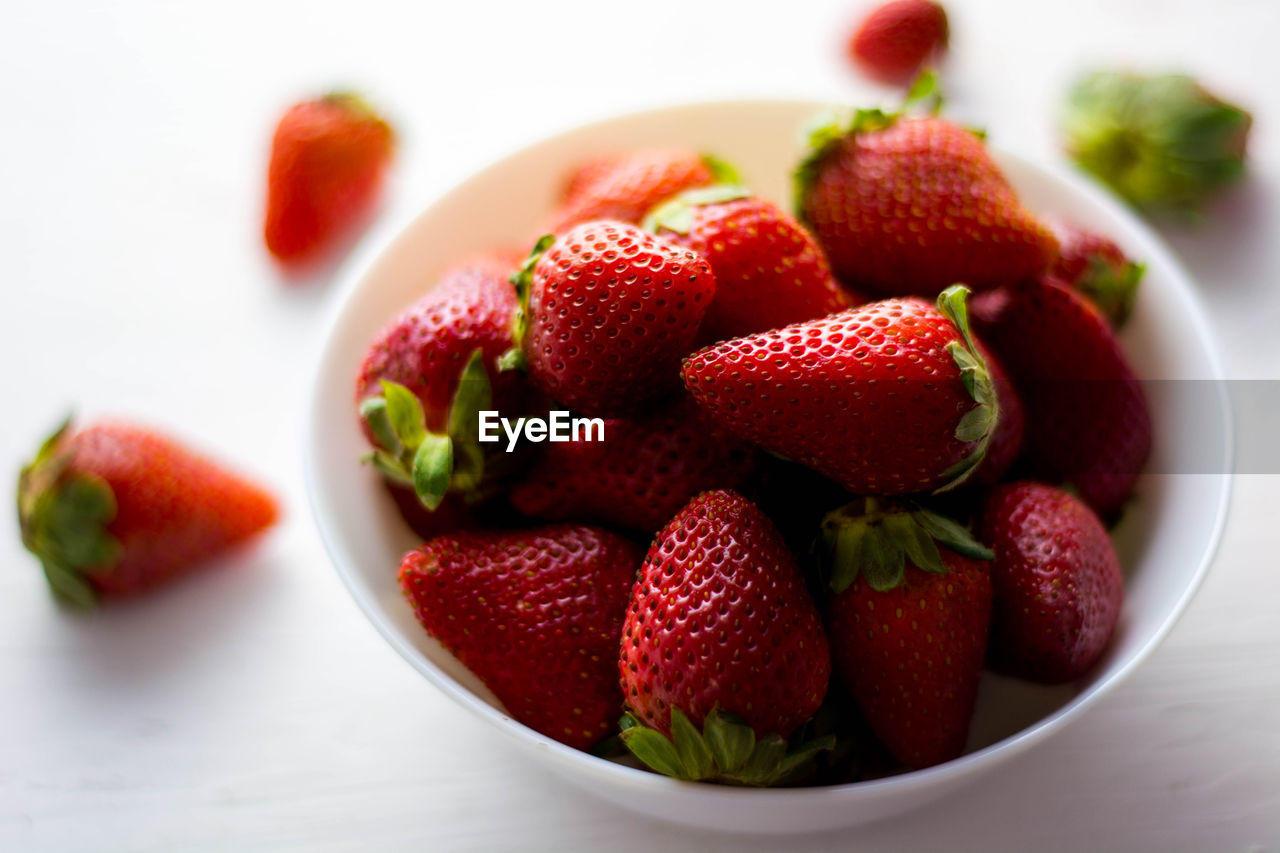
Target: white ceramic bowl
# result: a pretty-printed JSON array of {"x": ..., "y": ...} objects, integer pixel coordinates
[{"x": 1166, "y": 541}]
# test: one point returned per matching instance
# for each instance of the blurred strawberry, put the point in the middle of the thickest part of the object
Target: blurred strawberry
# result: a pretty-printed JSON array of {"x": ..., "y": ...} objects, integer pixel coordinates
[
  {"x": 1094, "y": 265},
  {"x": 626, "y": 186},
  {"x": 898, "y": 39},
  {"x": 115, "y": 509},
  {"x": 329, "y": 157},
  {"x": 1163, "y": 143}
]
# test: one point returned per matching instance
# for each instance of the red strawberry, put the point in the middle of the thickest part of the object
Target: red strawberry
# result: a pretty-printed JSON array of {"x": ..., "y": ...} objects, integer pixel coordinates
[
  {"x": 890, "y": 398},
  {"x": 1087, "y": 415},
  {"x": 912, "y": 205},
  {"x": 626, "y": 186},
  {"x": 720, "y": 623},
  {"x": 587, "y": 172},
  {"x": 536, "y": 615},
  {"x": 769, "y": 271},
  {"x": 1098, "y": 268},
  {"x": 453, "y": 513},
  {"x": 908, "y": 625},
  {"x": 640, "y": 475},
  {"x": 428, "y": 373},
  {"x": 899, "y": 38},
  {"x": 115, "y": 509},
  {"x": 329, "y": 157},
  {"x": 1010, "y": 431},
  {"x": 1058, "y": 588},
  {"x": 608, "y": 312}
]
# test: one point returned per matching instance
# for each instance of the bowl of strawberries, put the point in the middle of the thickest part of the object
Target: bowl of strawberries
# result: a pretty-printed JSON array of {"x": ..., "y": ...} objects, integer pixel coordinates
[{"x": 767, "y": 480}]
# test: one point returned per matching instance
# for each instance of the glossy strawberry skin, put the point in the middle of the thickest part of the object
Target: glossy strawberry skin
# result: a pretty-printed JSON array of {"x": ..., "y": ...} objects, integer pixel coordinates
[
  {"x": 329, "y": 159},
  {"x": 912, "y": 656},
  {"x": 897, "y": 40},
  {"x": 918, "y": 206},
  {"x": 1088, "y": 420},
  {"x": 611, "y": 312},
  {"x": 624, "y": 187},
  {"x": 428, "y": 345},
  {"x": 1058, "y": 586},
  {"x": 720, "y": 617},
  {"x": 175, "y": 508},
  {"x": 770, "y": 272},
  {"x": 640, "y": 476},
  {"x": 534, "y": 614},
  {"x": 869, "y": 397}
]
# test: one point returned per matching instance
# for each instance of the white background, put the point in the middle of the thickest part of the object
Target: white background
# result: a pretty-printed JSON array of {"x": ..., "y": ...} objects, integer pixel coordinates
[{"x": 252, "y": 707}]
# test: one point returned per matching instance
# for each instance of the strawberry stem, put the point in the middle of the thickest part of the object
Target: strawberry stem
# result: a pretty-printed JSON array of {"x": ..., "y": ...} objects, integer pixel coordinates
[
  {"x": 433, "y": 464},
  {"x": 978, "y": 425},
  {"x": 63, "y": 516},
  {"x": 522, "y": 280},
  {"x": 864, "y": 539},
  {"x": 726, "y": 750}
]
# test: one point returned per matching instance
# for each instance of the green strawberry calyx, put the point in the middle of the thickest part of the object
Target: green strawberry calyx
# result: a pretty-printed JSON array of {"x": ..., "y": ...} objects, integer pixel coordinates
[
  {"x": 356, "y": 107},
  {"x": 826, "y": 131},
  {"x": 1163, "y": 143},
  {"x": 676, "y": 214},
  {"x": 864, "y": 538},
  {"x": 432, "y": 464},
  {"x": 726, "y": 750},
  {"x": 1112, "y": 287},
  {"x": 522, "y": 281},
  {"x": 978, "y": 424},
  {"x": 63, "y": 516},
  {"x": 722, "y": 171}
]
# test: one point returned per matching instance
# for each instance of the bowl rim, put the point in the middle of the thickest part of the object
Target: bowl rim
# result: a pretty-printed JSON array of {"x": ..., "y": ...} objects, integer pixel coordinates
[{"x": 363, "y": 263}]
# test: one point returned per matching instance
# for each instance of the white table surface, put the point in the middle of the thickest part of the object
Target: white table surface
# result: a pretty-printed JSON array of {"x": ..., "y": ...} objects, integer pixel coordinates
[{"x": 253, "y": 707}]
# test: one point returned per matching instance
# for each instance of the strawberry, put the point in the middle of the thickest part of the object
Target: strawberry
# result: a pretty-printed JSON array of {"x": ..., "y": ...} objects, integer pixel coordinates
[
  {"x": 587, "y": 172},
  {"x": 912, "y": 205},
  {"x": 452, "y": 513},
  {"x": 607, "y": 312},
  {"x": 721, "y": 632},
  {"x": 1163, "y": 143},
  {"x": 114, "y": 509},
  {"x": 908, "y": 624},
  {"x": 899, "y": 38},
  {"x": 1058, "y": 588},
  {"x": 1098, "y": 268},
  {"x": 625, "y": 187},
  {"x": 769, "y": 270},
  {"x": 1087, "y": 415},
  {"x": 640, "y": 475},
  {"x": 1010, "y": 430},
  {"x": 329, "y": 157},
  {"x": 534, "y": 614},
  {"x": 429, "y": 372},
  {"x": 889, "y": 398}
]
